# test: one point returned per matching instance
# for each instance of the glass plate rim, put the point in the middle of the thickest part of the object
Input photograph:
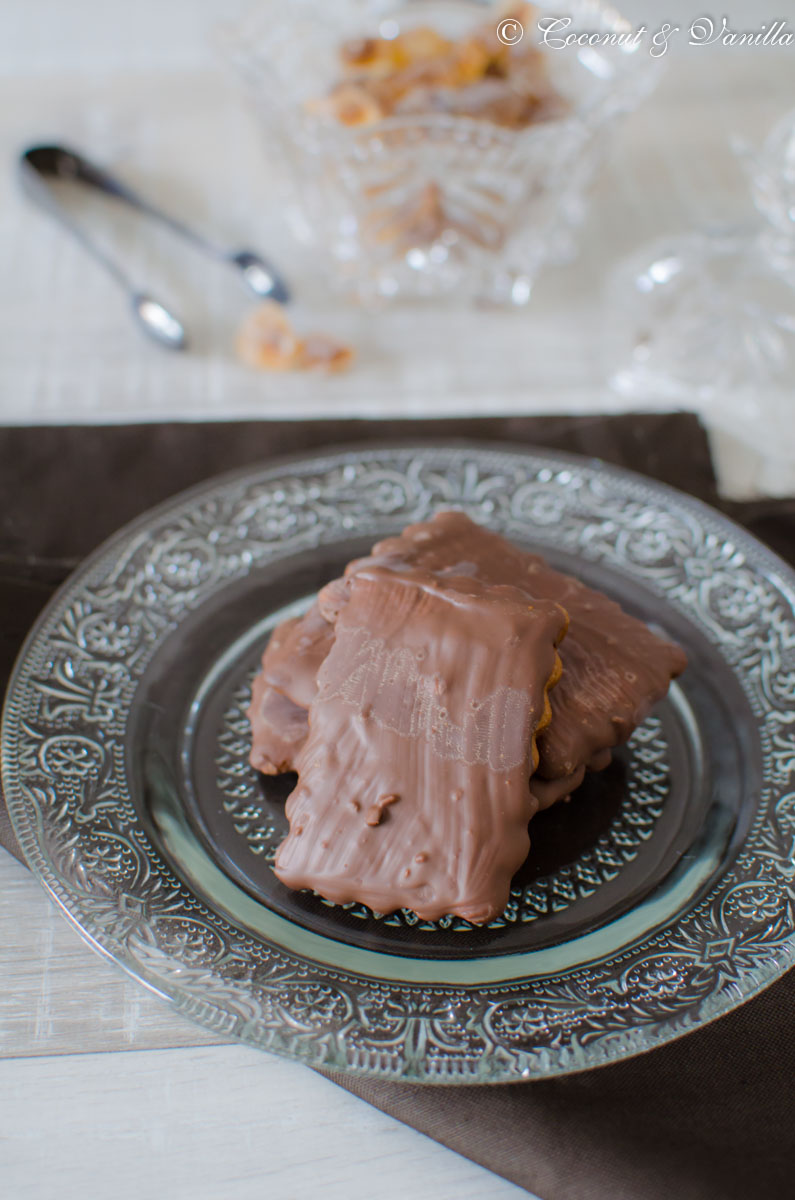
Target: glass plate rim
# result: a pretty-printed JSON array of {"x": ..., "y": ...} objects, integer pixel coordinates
[{"x": 763, "y": 973}]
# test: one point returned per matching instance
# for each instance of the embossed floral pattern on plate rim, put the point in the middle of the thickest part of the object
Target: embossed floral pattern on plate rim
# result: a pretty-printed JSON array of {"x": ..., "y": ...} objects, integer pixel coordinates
[{"x": 69, "y": 799}]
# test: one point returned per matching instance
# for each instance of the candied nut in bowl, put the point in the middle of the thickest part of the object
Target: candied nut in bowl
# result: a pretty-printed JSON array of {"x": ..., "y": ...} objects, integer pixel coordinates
[
  {"x": 417, "y": 154},
  {"x": 349, "y": 104}
]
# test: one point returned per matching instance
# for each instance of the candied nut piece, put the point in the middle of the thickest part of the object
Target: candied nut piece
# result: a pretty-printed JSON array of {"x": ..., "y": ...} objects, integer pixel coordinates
[
  {"x": 499, "y": 55},
  {"x": 418, "y": 221},
  {"x": 266, "y": 339},
  {"x": 351, "y": 104},
  {"x": 493, "y": 100},
  {"x": 371, "y": 58},
  {"x": 423, "y": 43},
  {"x": 318, "y": 352},
  {"x": 368, "y": 55},
  {"x": 409, "y": 74},
  {"x": 426, "y": 216},
  {"x": 470, "y": 61},
  {"x": 392, "y": 88}
]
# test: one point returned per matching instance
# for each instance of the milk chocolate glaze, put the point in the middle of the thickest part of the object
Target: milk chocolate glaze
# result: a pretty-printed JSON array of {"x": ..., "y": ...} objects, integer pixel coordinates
[
  {"x": 278, "y": 729},
  {"x": 284, "y": 689},
  {"x": 547, "y": 792},
  {"x": 414, "y": 780},
  {"x": 294, "y": 653},
  {"x": 614, "y": 668}
]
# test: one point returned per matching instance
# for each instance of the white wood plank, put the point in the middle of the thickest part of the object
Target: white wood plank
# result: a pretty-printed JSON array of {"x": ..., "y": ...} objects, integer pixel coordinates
[{"x": 209, "y": 1123}]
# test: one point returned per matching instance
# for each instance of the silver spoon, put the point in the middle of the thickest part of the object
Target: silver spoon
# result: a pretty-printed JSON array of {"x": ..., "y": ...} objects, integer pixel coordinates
[{"x": 39, "y": 164}]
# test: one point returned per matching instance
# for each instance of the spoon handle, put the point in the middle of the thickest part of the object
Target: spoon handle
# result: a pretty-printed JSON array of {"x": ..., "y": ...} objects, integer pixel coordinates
[
  {"x": 62, "y": 163},
  {"x": 36, "y": 189},
  {"x": 38, "y": 164}
]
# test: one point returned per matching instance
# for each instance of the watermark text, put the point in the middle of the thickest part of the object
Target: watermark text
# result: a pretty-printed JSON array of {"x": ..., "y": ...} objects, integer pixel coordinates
[{"x": 557, "y": 34}]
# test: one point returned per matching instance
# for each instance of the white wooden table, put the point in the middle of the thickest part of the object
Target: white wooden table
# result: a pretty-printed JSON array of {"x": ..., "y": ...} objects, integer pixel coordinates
[{"x": 103, "y": 1090}]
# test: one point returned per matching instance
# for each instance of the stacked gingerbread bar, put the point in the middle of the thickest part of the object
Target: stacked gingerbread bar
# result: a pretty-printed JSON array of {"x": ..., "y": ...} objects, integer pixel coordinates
[{"x": 424, "y": 704}]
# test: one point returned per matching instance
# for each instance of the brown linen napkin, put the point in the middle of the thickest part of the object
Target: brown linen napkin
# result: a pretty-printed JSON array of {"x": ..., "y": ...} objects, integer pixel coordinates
[{"x": 709, "y": 1117}]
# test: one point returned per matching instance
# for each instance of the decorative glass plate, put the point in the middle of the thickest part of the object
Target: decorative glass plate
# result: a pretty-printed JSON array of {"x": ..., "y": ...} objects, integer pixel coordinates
[{"x": 660, "y": 897}]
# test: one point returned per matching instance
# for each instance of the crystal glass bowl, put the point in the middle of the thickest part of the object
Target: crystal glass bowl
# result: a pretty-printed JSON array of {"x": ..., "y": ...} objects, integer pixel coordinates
[{"x": 430, "y": 203}]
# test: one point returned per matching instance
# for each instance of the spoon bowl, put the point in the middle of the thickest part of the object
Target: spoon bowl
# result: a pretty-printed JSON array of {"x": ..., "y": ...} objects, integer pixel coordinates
[
  {"x": 263, "y": 279},
  {"x": 155, "y": 320}
]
